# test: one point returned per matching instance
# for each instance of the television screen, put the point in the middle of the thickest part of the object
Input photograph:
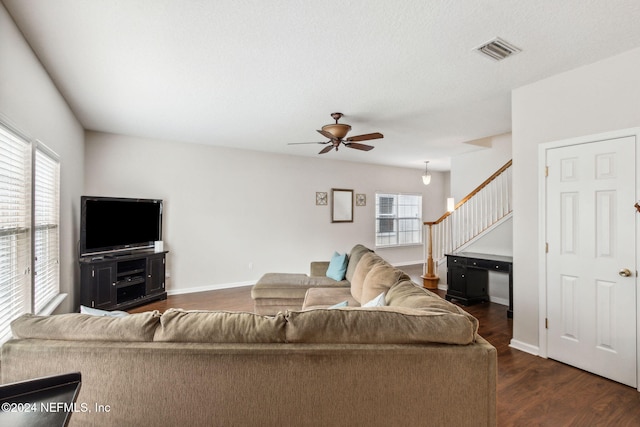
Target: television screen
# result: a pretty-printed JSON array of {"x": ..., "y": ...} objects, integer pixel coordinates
[{"x": 114, "y": 224}]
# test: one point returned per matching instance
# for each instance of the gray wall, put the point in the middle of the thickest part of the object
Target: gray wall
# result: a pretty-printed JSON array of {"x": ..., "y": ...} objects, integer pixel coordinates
[
  {"x": 232, "y": 215},
  {"x": 30, "y": 101}
]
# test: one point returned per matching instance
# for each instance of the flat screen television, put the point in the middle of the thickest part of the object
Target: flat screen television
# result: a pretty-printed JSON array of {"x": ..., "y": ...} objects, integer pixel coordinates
[{"x": 111, "y": 224}]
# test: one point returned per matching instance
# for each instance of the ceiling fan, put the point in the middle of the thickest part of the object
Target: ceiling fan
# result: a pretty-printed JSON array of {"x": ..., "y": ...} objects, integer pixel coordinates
[{"x": 336, "y": 134}]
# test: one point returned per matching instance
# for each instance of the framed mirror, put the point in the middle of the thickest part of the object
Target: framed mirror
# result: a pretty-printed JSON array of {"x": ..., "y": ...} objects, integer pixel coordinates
[{"x": 341, "y": 205}]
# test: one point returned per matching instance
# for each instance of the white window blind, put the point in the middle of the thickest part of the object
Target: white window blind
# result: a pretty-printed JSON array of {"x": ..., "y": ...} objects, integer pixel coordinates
[
  {"x": 15, "y": 226},
  {"x": 398, "y": 219},
  {"x": 46, "y": 192}
]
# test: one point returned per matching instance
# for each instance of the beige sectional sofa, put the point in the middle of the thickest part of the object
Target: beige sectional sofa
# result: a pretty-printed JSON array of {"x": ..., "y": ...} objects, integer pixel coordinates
[
  {"x": 276, "y": 292},
  {"x": 416, "y": 361}
]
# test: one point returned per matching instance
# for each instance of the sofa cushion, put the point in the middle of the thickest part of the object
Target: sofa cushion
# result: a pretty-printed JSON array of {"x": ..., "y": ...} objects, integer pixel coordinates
[
  {"x": 379, "y": 279},
  {"x": 407, "y": 294},
  {"x": 337, "y": 267},
  {"x": 354, "y": 258},
  {"x": 77, "y": 326},
  {"x": 325, "y": 297},
  {"x": 379, "y": 325},
  {"x": 290, "y": 285},
  {"x": 366, "y": 263},
  {"x": 178, "y": 325}
]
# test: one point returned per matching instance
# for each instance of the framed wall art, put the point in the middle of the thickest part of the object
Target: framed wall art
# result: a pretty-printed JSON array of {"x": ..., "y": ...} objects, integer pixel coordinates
[
  {"x": 341, "y": 205},
  {"x": 321, "y": 198}
]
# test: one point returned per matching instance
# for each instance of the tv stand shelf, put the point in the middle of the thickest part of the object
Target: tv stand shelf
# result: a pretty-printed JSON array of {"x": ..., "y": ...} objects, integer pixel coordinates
[{"x": 123, "y": 281}]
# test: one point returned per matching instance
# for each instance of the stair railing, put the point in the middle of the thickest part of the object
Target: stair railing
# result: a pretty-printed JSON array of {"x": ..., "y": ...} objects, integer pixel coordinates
[{"x": 481, "y": 209}]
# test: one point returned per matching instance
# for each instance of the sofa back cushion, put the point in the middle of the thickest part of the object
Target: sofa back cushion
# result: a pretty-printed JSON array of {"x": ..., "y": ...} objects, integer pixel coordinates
[
  {"x": 354, "y": 258},
  {"x": 178, "y": 325},
  {"x": 379, "y": 279},
  {"x": 379, "y": 325},
  {"x": 77, "y": 327},
  {"x": 407, "y": 294},
  {"x": 366, "y": 263}
]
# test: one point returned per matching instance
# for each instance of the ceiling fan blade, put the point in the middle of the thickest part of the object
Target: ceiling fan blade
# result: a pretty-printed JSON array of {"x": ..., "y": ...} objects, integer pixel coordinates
[
  {"x": 326, "y": 149},
  {"x": 299, "y": 143},
  {"x": 365, "y": 137},
  {"x": 327, "y": 134},
  {"x": 363, "y": 147}
]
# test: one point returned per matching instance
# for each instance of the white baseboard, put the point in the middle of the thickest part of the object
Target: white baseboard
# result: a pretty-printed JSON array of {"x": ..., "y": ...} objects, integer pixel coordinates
[
  {"x": 527, "y": 348},
  {"x": 241, "y": 284},
  {"x": 402, "y": 264},
  {"x": 209, "y": 288},
  {"x": 498, "y": 300}
]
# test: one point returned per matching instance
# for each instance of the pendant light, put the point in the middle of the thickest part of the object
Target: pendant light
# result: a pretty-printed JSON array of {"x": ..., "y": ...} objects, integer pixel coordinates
[{"x": 426, "y": 178}]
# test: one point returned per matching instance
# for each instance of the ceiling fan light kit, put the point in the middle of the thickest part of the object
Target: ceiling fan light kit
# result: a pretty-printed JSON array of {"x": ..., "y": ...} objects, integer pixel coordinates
[
  {"x": 339, "y": 130},
  {"x": 336, "y": 133}
]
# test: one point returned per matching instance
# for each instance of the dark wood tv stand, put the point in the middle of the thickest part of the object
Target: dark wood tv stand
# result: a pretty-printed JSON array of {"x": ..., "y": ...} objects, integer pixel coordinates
[{"x": 122, "y": 281}]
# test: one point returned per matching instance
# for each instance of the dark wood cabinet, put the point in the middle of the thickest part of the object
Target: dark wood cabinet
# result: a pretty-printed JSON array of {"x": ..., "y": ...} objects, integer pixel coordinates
[
  {"x": 103, "y": 278},
  {"x": 466, "y": 283},
  {"x": 155, "y": 274},
  {"x": 468, "y": 276},
  {"x": 124, "y": 281}
]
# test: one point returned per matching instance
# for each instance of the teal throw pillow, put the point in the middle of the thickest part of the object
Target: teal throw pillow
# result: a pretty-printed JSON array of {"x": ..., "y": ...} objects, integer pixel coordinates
[{"x": 337, "y": 266}]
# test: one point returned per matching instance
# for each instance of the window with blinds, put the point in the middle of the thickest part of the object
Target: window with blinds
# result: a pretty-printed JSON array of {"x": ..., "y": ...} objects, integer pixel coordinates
[
  {"x": 29, "y": 227},
  {"x": 398, "y": 219},
  {"x": 15, "y": 226},
  {"x": 46, "y": 210}
]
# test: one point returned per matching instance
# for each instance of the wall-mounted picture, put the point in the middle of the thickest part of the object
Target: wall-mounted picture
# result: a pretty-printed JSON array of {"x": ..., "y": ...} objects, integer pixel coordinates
[
  {"x": 341, "y": 205},
  {"x": 361, "y": 200},
  {"x": 321, "y": 198}
]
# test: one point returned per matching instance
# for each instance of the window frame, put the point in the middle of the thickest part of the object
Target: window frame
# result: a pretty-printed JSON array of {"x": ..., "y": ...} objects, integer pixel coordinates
[{"x": 393, "y": 236}]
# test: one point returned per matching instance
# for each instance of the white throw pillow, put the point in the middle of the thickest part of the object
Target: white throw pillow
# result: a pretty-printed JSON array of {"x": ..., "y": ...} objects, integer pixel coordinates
[
  {"x": 376, "y": 302},
  {"x": 340, "y": 304},
  {"x": 96, "y": 312}
]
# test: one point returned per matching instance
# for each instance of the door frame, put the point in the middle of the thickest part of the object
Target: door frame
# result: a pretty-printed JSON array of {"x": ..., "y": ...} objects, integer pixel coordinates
[{"x": 542, "y": 229}]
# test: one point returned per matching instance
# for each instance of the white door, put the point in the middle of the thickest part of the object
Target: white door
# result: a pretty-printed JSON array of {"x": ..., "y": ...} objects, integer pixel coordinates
[{"x": 591, "y": 234}]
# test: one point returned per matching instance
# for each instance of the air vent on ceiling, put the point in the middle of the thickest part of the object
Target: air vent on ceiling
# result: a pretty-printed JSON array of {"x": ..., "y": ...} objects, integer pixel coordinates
[{"x": 498, "y": 49}]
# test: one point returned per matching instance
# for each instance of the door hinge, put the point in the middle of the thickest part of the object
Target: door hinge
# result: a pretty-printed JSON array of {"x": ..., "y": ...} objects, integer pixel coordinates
[
  {"x": 546, "y": 171},
  {"x": 546, "y": 323},
  {"x": 546, "y": 248},
  {"x": 93, "y": 272}
]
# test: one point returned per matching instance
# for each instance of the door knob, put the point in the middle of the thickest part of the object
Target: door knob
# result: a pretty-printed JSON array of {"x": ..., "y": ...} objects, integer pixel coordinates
[{"x": 624, "y": 272}]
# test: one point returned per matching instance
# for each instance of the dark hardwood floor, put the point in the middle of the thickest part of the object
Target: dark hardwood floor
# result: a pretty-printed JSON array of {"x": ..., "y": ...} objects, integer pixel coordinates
[{"x": 532, "y": 391}]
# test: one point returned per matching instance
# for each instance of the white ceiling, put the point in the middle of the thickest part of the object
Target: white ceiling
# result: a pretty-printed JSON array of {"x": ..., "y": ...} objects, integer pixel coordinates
[{"x": 258, "y": 74}]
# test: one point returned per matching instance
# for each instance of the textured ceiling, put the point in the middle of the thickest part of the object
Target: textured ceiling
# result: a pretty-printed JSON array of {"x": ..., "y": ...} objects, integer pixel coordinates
[{"x": 258, "y": 74}]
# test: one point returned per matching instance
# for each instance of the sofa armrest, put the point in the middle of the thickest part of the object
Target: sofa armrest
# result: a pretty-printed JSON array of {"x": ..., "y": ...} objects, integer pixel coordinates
[{"x": 319, "y": 268}]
